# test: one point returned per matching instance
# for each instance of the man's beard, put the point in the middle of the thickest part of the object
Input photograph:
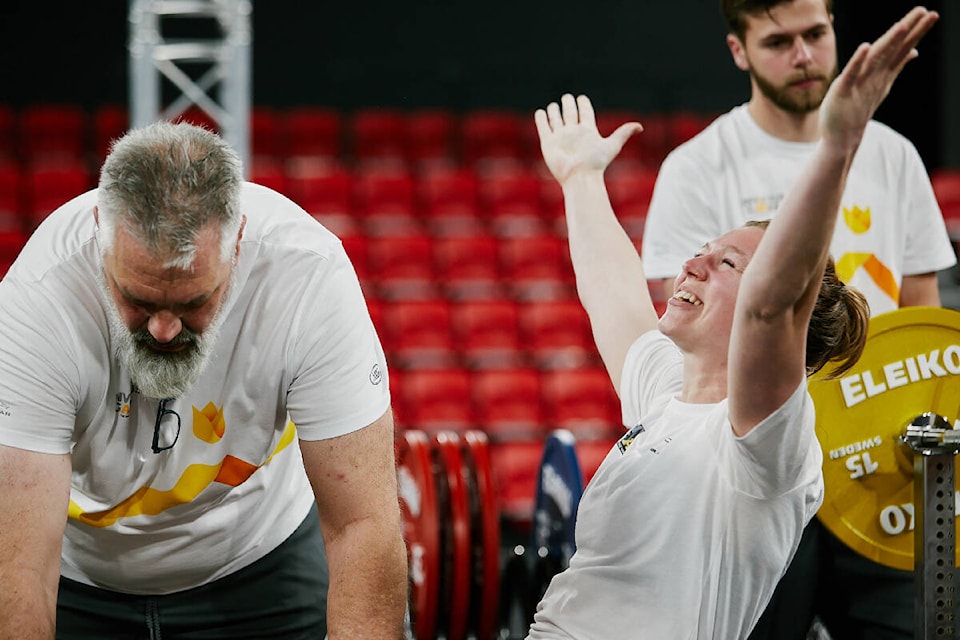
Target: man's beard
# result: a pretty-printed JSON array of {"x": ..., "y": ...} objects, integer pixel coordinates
[
  {"x": 793, "y": 100},
  {"x": 161, "y": 374}
]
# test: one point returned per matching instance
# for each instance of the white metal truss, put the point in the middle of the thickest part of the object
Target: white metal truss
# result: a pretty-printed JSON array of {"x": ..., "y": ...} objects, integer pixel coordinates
[{"x": 218, "y": 78}]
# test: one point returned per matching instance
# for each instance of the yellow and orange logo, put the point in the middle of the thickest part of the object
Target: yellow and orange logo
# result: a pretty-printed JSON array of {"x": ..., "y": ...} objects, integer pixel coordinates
[{"x": 209, "y": 426}]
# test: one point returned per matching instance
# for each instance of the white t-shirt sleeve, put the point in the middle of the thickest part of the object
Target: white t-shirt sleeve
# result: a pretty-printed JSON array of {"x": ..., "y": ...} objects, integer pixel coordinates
[
  {"x": 681, "y": 217},
  {"x": 652, "y": 372},
  {"x": 340, "y": 381},
  {"x": 39, "y": 371},
  {"x": 779, "y": 454},
  {"x": 928, "y": 246}
]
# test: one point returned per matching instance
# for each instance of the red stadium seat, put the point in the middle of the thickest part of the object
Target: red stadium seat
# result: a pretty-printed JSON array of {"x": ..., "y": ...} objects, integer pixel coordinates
[
  {"x": 267, "y": 136},
  {"x": 400, "y": 422},
  {"x": 655, "y": 140},
  {"x": 491, "y": 135},
  {"x": 437, "y": 399},
  {"x": 11, "y": 178},
  {"x": 11, "y": 242},
  {"x": 557, "y": 333},
  {"x": 110, "y": 122},
  {"x": 313, "y": 131},
  {"x": 355, "y": 244},
  {"x": 377, "y": 133},
  {"x": 608, "y": 120},
  {"x": 551, "y": 202},
  {"x": 417, "y": 334},
  {"x": 50, "y": 184},
  {"x": 510, "y": 198},
  {"x": 946, "y": 186},
  {"x": 269, "y": 172},
  {"x": 324, "y": 189},
  {"x": 630, "y": 190},
  {"x": 536, "y": 267},
  {"x": 448, "y": 199},
  {"x": 683, "y": 125},
  {"x": 401, "y": 266},
  {"x": 487, "y": 333},
  {"x": 431, "y": 136},
  {"x": 52, "y": 131},
  {"x": 590, "y": 454},
  {"x": 582, "y": 401},
  {"x": 467, "y": 267},
  {"x": 507, "y": 403},
  {"x": 383, "y": 199},
  {"x": 516, "y": 466}
]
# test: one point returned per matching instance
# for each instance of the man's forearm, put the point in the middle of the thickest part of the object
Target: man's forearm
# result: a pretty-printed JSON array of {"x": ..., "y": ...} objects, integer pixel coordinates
[
  {"x": 368, "y": 584},
  {"x": 27, "y": 611}
]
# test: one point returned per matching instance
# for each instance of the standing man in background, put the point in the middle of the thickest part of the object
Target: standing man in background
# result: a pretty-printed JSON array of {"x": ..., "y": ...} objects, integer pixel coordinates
[{"x": 890, "y": 242}]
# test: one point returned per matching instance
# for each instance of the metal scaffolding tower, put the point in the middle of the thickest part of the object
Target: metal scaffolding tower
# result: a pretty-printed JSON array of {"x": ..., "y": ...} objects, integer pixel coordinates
[{"x": 211, "y": 72}]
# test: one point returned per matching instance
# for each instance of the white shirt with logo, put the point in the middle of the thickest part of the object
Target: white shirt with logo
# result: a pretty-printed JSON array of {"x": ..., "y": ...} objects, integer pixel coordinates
[
  {"x": 685, "y": 529},
  {"x": 889, "y": 224},
  {"x": 296, "y": 347}
]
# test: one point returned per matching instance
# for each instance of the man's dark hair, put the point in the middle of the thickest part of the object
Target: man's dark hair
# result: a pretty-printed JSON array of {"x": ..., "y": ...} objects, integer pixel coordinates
[{"x": 733, "y": 12}]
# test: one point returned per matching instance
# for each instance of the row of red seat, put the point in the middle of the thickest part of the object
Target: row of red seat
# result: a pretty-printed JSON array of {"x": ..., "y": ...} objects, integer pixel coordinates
[
  {"x": 29, "y": 194},
  {"x": 473, "y": 266},
  {"x": 506, "y": 197},
  {"x": 415, "y": 135},
  {"x": 484, "y": 334},
  {"x": 508, "y": 404},
  {"x": 372, "y": 199}
]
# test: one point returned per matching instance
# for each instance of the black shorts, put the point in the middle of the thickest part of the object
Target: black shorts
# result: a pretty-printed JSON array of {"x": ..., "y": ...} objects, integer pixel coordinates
[{"x": 281, "y": 596}]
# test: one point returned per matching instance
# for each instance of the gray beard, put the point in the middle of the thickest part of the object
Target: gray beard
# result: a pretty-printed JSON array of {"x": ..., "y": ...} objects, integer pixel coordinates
[{"x": 159, "y": 374}]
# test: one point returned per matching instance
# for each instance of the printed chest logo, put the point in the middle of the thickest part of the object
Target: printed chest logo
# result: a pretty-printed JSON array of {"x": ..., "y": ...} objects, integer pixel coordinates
[
  {"x": 627, "y": 439},
  {"x": 123, "y": 403},
  {"x": 624, "y": 442},
  {"x": 859, "y": 220},
  {"x": 208, "y": 426},
  {"x": 761, "y": 206}
]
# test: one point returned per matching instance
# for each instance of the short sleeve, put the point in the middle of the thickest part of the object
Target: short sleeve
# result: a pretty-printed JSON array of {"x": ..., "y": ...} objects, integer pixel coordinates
[
  {"x": 340, "y": 381},
  {"x": 39, "y": 376},
  {"x": 928, "y": 246},
  {"x": 652, "y": 372},
  {"x": 781, "y": 453}
]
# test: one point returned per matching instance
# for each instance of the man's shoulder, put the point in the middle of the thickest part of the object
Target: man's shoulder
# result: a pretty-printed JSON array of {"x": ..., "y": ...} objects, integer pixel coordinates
[
  {"x": 277, "y": 222},
  {"x": 884, "y": 145},
  {"x": 880, "y": 133},
  {"x": 710, "y": 141},
  {"x": 65, "y": 237}
]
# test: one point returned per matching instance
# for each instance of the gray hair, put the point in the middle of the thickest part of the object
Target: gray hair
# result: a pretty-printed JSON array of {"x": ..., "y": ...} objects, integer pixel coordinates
[{"x": 166, "y": 183}]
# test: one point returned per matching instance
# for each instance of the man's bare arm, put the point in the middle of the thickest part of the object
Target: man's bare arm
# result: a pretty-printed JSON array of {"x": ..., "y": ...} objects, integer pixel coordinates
[
  {"x": 355, "y": 483},
  {"x": 34, "y": 493}
]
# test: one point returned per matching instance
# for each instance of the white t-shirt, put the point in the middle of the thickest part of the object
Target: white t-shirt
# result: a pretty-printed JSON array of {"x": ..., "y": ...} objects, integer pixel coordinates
[
  {"x": 889, "y": 225},
  {"x": 685, "y": 529},
  {"x": 296, "y": 347}
]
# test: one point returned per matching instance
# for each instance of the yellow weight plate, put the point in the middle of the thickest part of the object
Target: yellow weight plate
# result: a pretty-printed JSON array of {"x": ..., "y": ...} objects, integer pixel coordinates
[{"x": 910, "y": 366}]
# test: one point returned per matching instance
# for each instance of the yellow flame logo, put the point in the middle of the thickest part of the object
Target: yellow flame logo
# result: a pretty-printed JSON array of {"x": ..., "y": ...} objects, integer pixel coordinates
[
  {"x": 208, "y": 423},
  {"x": 857, "y": 219},
  {"x": 849, "y": 263}
]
